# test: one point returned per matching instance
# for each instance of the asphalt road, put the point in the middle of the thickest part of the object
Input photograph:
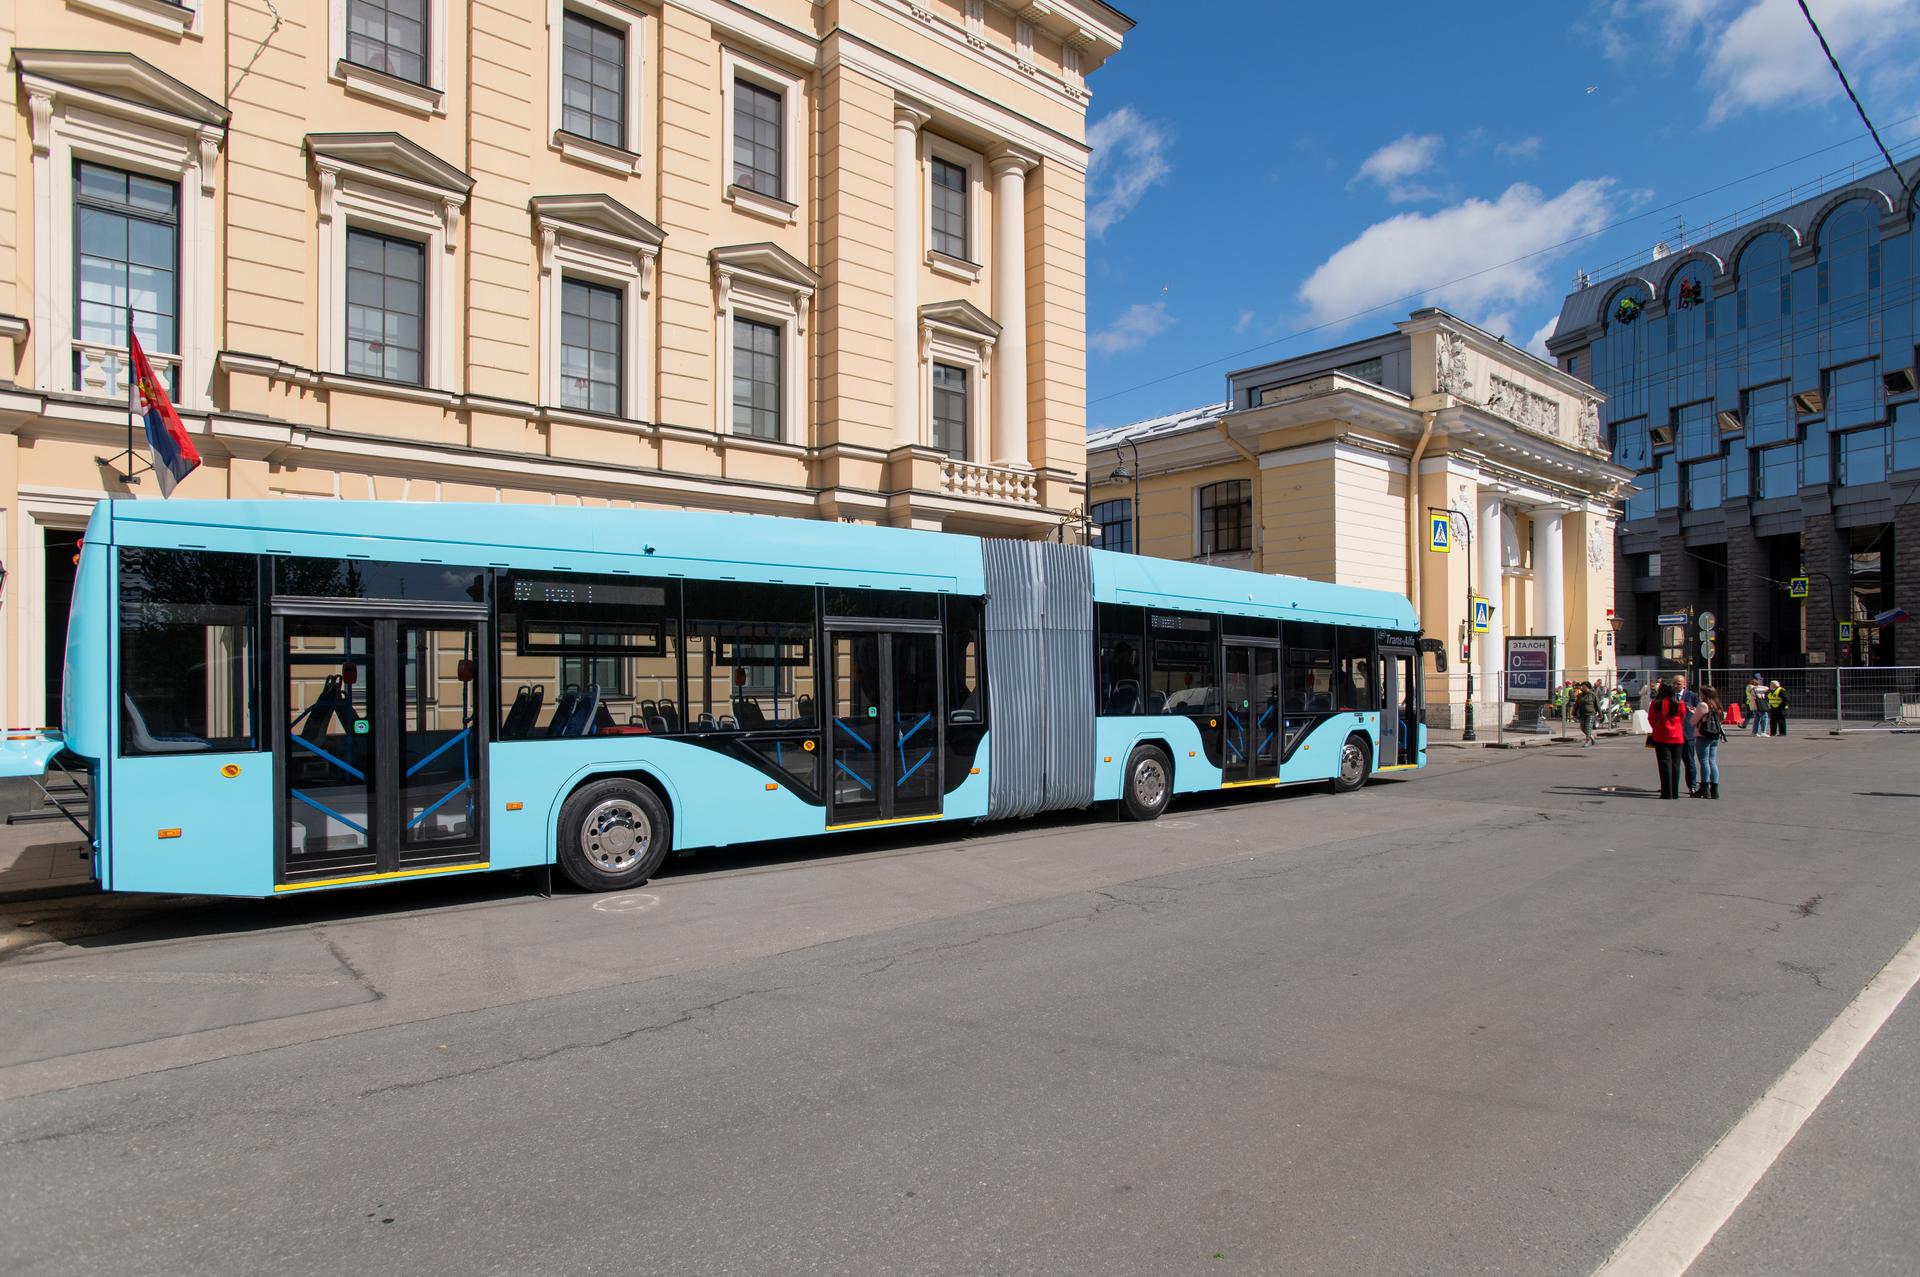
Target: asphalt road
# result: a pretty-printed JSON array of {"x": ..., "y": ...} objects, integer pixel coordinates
[{"x": 1481, "y": 1020}]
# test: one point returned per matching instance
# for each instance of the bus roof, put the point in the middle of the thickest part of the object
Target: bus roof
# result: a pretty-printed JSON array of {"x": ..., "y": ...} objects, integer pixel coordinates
[{"x": 1200, "y": 587}]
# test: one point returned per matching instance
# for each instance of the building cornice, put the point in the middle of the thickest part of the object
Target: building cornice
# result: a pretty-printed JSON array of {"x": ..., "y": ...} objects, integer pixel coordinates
[{"x": 1500, "y": 351}]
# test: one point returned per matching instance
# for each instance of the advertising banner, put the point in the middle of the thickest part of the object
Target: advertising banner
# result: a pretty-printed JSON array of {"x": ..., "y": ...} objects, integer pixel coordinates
[{"x": 1529, "y": 668}]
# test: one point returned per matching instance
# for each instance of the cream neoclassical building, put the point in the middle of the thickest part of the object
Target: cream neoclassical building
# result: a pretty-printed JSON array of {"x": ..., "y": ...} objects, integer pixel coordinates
[
  {"x": 810, "y": 257},
  {"x": 1305, "y": 471}
]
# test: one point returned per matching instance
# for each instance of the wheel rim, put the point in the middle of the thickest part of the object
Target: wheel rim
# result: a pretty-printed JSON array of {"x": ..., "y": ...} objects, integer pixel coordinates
[
  {"x": 1149, "y": 783},
  {"x": 1353, "y": 764},
  {"x": 616, "y": 835}
]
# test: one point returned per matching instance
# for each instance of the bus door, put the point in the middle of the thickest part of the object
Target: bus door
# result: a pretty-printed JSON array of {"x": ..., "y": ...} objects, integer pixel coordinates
[
  {"x": 1399, "y": 705},
  {"x": 379, "y": 738},
  {"x": 888, "y": 731},
  {"x": 1250, "y": 735}
]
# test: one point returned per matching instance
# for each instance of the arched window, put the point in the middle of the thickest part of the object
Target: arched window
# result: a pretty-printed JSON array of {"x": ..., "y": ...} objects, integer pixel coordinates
[
  {"x": 1620, "y": 355},
  {"x": 1690, "y": 310},
  {"x": 1849, "y": 263},
  {"x": 1766, "y": 292}
]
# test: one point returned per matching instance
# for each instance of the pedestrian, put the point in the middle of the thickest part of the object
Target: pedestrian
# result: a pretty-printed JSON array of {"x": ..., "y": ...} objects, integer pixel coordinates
[
  {"x": 1776, "y": 709},
  {"x": 1667, "y": 721},
  {"x": 1757, "y": 704},
  {"x": 1709, "y": 729},
  {"x": 1690, "y": 758},
  {"x": 1586, "y": 706}
]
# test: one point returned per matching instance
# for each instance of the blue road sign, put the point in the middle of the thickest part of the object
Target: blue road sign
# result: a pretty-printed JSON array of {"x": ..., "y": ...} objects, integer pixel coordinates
[{"x": 1439, "y": 533}]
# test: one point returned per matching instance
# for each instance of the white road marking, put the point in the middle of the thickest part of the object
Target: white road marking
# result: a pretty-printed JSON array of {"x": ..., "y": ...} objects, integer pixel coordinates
[
  {"x": 639, "y": 902},
  {"x": 1673, "y": 1234}
]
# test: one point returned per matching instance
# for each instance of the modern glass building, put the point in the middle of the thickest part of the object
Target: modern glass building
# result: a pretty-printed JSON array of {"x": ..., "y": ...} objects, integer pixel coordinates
[{"x": 1761, "y": 384}]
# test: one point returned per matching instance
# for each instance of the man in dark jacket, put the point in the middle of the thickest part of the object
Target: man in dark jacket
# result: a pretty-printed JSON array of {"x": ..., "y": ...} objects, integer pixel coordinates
[{"x": 1690, "y": 753}]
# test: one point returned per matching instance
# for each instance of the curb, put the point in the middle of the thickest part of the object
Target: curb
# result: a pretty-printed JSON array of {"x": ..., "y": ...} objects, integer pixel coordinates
[{"x": 54, "y": 892}]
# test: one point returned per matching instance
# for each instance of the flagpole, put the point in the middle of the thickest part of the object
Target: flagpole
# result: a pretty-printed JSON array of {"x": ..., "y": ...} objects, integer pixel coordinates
[{"x": 132, "y": 391}]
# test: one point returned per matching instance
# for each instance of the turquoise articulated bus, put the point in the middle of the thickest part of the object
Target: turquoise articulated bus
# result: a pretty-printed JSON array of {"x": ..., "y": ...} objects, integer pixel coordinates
[{"x": 272, "y": 697}]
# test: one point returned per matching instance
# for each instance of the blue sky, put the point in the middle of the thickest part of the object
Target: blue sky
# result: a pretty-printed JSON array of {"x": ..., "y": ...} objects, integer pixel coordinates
[{"x": 1265, "y": 166}]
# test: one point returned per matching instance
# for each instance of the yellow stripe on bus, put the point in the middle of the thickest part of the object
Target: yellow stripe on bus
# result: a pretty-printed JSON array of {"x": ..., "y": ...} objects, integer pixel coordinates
[
  {"x": 1241, "y": 784},
  {"x": 398, "y": 873},
  {"x": 897, "y": 820},
  {"x": 1399, "y": 767}
]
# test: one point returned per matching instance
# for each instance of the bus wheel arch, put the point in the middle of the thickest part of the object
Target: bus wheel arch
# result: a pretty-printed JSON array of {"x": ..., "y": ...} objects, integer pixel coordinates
[
  {"x": 614, "y": 830},
  {"x": 1355, "y": 765},
  {"x": 1146, "y": 783}
]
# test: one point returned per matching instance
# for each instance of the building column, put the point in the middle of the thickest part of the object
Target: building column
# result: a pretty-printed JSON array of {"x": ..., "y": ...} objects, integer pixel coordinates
[
  {"x": 907, "y": 120},
  {"x": 1488, "y": 573},
  {"x": 1010, "y": 305},
  {"x": 1550, "y": 584}
]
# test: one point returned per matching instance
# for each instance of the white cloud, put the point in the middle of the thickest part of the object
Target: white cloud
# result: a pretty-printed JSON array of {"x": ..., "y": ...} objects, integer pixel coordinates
[
  {"x": 1415, "y": 251},
  {"x": 1394, "y": 166},
  {"x": 1538, "y": 342},
  {"x": 1520, "y": 150},
  {"x": 1243, "y": 322},
  {"x": 1760, "y": 54},
  {"x": 1129, "y": 157},
  {"x": 1137, "y": 325}
]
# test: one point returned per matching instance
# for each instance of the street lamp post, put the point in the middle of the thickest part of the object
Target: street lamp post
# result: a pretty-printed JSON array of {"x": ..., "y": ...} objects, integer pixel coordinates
[
  {"x": 1121, "y": 473},
  {"x": 1466, "y": 650}
]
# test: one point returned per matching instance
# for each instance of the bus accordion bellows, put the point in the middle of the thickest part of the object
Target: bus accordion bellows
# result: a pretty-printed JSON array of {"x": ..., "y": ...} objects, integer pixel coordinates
[{"x": 272, "y": 697}]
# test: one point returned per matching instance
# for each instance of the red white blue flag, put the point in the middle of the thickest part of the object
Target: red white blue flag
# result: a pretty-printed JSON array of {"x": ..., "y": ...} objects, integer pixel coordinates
[{"x": 174, "y": 456}]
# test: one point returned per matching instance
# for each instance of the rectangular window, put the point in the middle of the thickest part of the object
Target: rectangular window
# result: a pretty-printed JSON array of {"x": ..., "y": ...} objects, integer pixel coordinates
[
  {"x": 758, "y": 142},
  {"x": 1863, "y": 456},
  {"x": 386, "y": 307},
  {"x": 1353, "y": 684},
  {"x": 127, "y": 238},
  {"x": 1776, "y": 471},
  {"x": 1704, "y": 488},
  {"x": 593, "y": 80},
  {"x": 750, "y": 657},
  {"x": 1814, "y": 457},
  {"x": 1632, "y": 447},
  {"x": 1696, "y": 432},
  {"x": 950, "y": 414},
  {"x": 1182, "y": 674},
  {"x": 950, "y": 208},
  {"x": 389, "y": 36},
  {"x": 1767, "y": 416},
  {"x": 1226, "y": 517},
  {"x": 756, "y": 379},
  {"x": 966, "y": 660},
  {"x": 1669, "y": 482},
  {"x": 1121, "y": 691},
  {"x": 590, "y": 347},
  {"x": 1853, "y": 395},
  {"x": 1906, "y": 436},
  {"x": 1308, "y": 688},
  {"x": 1115, "y": 521},
  {"x": 187, "y": 643},
  {"x": 588, "y": 656},
  {"x": 1736, "y": 470}
]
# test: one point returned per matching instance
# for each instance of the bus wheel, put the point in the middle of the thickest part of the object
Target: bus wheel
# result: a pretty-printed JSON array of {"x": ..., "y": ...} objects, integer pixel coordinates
[
  {"x": 1355, "y": 762},
  {"x": 1147, "y": 785},
  {"x": 613, "y": 833}
]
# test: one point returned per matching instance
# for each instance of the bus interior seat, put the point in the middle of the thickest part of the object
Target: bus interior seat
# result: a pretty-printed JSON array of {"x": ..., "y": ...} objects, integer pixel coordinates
[
  {"x": 1157, "y": 703},
  {"x": 147, "y": 743},
  {"x": 657, "y": 724},
  {"x": 602, "y": 721},
  {"x": 581, "y": 722},
  {"x": 803, "y": 708},
  {"x": 519, "y": 715},
  {"x": 1123, "y": 699},
  {"x": 749, "y": 713},
  {"x": 563, "y": 711},
  {"x": 670, "y": 713}
]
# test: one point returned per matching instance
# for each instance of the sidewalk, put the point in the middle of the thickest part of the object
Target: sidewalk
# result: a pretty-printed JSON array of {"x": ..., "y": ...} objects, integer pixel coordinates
[{"x": 44, "y": 858}]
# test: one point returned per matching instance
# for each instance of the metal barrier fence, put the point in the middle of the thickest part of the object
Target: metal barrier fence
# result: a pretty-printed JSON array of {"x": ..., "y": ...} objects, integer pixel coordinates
[{"x": 1834, "y": 698}]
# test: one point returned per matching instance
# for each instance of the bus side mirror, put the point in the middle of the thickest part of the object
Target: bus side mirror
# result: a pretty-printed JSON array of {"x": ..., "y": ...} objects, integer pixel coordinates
[{"x": 1438, "y": 651}]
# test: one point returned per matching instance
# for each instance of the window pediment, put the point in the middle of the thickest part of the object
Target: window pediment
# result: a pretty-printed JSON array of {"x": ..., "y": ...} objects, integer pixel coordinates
[
  {"x": 597, "y": 217},
  {"x": 962, "y": 318},
  {"x": 766, "y": 264},
  {"x": 388, "y": 159},
  {"x": 118, "y": 78}
]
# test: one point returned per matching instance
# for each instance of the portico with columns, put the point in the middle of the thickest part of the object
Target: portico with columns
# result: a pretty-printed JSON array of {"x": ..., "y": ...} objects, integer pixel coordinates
[{"x": 1343, "y": 457}]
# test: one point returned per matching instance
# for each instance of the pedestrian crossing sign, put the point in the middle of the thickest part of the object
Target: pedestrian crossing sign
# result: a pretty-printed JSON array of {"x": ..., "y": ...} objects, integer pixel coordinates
[
  {"x": 1482, "y": 615},
  {"x": 1439, "y": 533},
  {"x": 1846, "y": 631},
  {"x": 1797, "y": 588}
]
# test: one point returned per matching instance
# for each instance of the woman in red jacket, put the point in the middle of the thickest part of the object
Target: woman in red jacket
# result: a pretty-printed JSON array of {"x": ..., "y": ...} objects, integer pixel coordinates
[{"x": 1667, "y": 717}]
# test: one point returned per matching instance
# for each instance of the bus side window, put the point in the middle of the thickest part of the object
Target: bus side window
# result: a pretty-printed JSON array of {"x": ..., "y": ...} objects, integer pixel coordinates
[
  {"x": 1354, "y": 682},
  {"x": 750, "y": 657},
  {"x": 1119, "y": 673},
  {"x": 588, "y": 655},
  {"x": 187, "y": 651},
  {"x": 966, "y": 661}
]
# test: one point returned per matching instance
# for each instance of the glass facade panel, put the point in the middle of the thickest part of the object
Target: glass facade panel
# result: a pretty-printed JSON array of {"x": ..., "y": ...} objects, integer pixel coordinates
[
  {"x": 1735, "y": 471},
  {"x": 1669, "y": 482},
  {"x": 1906, "y": 436},
  {"x": 1696, "y": 433},
  {"x": 1813, "y": 456},
  {"x": 1853, "y": 395},
  {"x": 1704, "y": 489},
  {"x": 1863, "y": 456},
  {"x": 1777, "y": 471},
  {"x": 1631, "y": 447},
  {"x": 1768, "y": 415}
]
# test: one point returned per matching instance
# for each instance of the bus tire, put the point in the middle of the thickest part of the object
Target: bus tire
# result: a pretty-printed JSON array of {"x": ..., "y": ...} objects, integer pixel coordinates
[
  {"x": 613, "y": 833},
  {"x": 1147, "y": 785},
  {"x": 1356, "y": 764}
]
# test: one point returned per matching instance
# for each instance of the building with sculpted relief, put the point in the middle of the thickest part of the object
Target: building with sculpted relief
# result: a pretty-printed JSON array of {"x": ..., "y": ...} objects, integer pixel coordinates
[
  {"x": 820, "y": 258},
  {"x": 1304, "y": 470}
]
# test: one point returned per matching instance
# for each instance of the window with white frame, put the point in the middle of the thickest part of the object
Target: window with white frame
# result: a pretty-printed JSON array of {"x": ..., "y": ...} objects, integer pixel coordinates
[
  {"x": 597, "y": 259},
  {"x": 594, "y": 49},
  {"x": 757, "y": 384},
  {"x": 591, "y": 348},
  {"x": 762, "y": 295},
  {"x": 106, "y": 113},
  {"x": 391, "y": 51},
  {"x": 386, "y": 307},
  {"x": 951, "y": 419},
  {"x": 389, "y": 219},
  {"x": 949, "y": 208},
  {"x": 761, "y": 146},
  {"x": 954, "y": 182}
]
